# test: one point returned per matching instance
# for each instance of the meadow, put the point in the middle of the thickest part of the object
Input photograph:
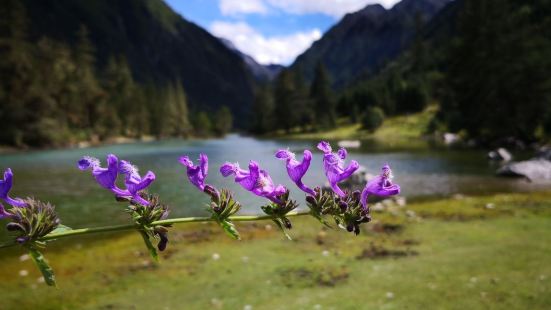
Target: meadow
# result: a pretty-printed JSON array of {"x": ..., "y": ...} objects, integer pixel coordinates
[{"x": 463, "y": 252}]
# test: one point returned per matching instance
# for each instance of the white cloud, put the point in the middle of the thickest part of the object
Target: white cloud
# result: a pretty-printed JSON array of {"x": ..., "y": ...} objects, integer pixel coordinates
[
  {"x": 265, "y": 50},
  {"x": 335, "y": 8},
  {"x": 235, "y": 7}
]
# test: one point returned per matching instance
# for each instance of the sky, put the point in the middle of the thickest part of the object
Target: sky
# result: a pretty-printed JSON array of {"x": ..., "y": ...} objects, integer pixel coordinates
[{"x": 271, "y": 31}]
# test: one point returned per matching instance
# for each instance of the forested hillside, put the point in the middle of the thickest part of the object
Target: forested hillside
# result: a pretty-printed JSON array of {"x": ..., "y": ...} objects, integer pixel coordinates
[{"x": 88, "y": 70}]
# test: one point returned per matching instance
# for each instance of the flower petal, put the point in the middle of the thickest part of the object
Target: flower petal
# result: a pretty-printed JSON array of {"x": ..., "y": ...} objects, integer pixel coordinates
[
  {"x": 184, "y": 160},
  {"x": 227, "y": 169},
  {"x": 284, "y": 154},
  {"x": 325, "y": 147}
]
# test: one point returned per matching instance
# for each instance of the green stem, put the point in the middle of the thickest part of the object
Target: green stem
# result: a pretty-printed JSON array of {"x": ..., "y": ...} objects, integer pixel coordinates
[{"x": 85, "y": 231}]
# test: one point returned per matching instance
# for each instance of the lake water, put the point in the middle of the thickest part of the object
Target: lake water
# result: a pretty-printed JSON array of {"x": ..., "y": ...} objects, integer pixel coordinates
[{"x": 53, "y": 175}]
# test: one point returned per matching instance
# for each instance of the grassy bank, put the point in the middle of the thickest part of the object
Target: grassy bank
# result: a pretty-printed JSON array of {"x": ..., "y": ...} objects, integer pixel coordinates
[
  {"x": 404, "y": 130},
  {"x": 468, "y": 253}
]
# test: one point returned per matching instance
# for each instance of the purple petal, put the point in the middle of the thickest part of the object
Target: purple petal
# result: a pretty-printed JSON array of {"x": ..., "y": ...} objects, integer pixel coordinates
[
  {"x": 5, "y": 187},
  {"x": 381, "y": 186},
  {"x": 134, "y": 182},
  {"x": 324, "y": 147},
  {"x": 284, "y": 154},
  {"x": 6, "y": 183},
  {"x": 227, "y": 169},
  {"x": 342, "y": 153},
  {"x": 204, "y": 164},
  {"x": 279, "y": 190},
  {"x": 196, "y": 174},
  {"x": 349, "y": 170},
  {"x": 88, "y": 162},
  {"x": 254, "y": 170},
  {"x": 184, "y": 160},
  {"x": 145, "y": 181},
  {"x": 3, "y": 213}
]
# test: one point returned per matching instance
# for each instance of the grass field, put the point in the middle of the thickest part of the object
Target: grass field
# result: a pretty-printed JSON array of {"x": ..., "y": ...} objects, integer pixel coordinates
[
  {"x": 491, "y": 252},
  {"x": 404, "y": 130}
]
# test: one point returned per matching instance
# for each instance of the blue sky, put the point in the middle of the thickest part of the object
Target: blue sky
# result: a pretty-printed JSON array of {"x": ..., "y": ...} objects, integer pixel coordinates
[{"x": 271, "y": 31}]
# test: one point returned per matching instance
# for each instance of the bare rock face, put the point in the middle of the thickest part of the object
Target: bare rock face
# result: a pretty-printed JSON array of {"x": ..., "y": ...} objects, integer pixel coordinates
[{"x": 533, "y": 169}]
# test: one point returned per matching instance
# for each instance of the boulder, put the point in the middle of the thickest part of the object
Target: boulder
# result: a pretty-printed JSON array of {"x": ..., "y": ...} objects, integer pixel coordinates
[
  {"x": 544, "y": 153},
  {"x": 500, "y": 154},
  {"x": 533, "y": 169},
  {"x": 450, "y": 138}
]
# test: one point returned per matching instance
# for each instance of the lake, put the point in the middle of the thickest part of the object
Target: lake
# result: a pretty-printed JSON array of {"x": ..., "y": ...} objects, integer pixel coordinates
[{"x": 53, "y": 176}]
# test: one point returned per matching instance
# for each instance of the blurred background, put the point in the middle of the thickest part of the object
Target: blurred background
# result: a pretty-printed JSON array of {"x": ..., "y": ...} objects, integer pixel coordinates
[{"x": 454, "y": 94}]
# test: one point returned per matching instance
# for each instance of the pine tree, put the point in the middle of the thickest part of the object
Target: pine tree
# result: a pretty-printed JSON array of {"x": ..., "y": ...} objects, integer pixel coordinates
[
  {"x": 263, "y": 110},
  {"x": 202, "y": 124},
  {"x": 183, "y": 126},
  {"x": 285, "y": 113},
  {"x": 322, "y": 97},
  {"x": 16, "y": 71},
  {"x": 223, "y": 121},
  {"x": 83, "y": 113}
]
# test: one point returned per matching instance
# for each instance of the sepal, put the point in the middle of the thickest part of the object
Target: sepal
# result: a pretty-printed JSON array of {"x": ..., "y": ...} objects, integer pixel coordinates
[
  {"x": 278, "y": 212},
  {"x": 222, "y": 206}
]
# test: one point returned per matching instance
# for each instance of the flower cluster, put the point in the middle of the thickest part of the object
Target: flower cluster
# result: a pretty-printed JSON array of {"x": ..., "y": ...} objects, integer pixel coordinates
[
  {"x": 107, "y": 177},
  {"x": 349, "y": 209},
  {"x": 34, "y": 222},
  {"x": 30, "y": 220}
]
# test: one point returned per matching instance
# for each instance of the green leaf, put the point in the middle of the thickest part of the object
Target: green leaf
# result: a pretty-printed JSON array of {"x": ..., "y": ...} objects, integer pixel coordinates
[
  {"x": 230, "y": 229},
  {"x": 152, "y": 249},
  {"x": 282, "y": 228},
  {"x": 60, "y": 228},
  {"x": 320, "y": 218},
  {"x": 45, "y": 269}
]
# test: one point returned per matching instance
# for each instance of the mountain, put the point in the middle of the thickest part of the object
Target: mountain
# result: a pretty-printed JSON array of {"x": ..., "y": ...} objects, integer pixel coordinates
[
  {"x": 159, "y": 45},
  {"x": 262, "y": 73},
  {"x": 364, "y": 41}
]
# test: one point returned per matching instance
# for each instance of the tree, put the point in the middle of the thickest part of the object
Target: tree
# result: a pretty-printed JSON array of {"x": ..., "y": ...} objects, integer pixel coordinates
[
  {"x": 284, "y": 113},
  {"x": 223, "y": 121},
  {"x": 202, "y": 124},
  {"x": 263, "y": 111},
  {"x": 498, "y": 79},
  {"x": 183, "y": 126},
  {"x": 322, "y": 97},
  {"x": 373, "y": 118}
]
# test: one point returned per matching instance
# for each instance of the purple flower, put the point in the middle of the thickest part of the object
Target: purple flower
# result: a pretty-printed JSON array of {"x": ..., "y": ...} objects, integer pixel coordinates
[
  {"x": 255, "y": 180},
  {"x": 334, "y": 166},
  {"x": 106, "y": 177},
  {"x": 5, "y": 187},
  {"x": 196, "y": 174},
  {"x": 3, "y": 213},
  {"x": 296, "y": 169},
  {"x": 134, "y": 182},
  {"x": 380, "y": 186}
]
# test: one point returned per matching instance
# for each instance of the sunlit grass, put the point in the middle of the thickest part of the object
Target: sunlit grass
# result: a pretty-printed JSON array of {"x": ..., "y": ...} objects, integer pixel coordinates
[
  {"x": 403, "y": 130},
  {"x": 458, "y": 253}
]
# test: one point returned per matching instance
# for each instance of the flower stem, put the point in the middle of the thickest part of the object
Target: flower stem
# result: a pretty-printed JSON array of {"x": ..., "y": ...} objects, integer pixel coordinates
[{"x": 85, "y": 231}]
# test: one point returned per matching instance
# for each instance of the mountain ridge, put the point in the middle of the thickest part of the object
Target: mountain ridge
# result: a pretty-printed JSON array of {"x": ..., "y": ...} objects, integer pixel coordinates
[
  {"x": 159, "y": 44},
  {"x": 364, "y": 41}
]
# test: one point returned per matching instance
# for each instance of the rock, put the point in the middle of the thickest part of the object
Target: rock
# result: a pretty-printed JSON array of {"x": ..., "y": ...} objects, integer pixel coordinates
[
  {"x": 501, "y": 154},
  {"x": 450, "y": 138},
  {"x": 533, "y": 169},
  {"x": 544, "y": 153},
  {"x": 352, "y": 144}
]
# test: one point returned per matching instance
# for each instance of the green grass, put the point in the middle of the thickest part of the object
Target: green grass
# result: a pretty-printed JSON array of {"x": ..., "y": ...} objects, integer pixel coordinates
[
  {"x": 457, "y": 254},
  {"x": 404, "y": 130}
]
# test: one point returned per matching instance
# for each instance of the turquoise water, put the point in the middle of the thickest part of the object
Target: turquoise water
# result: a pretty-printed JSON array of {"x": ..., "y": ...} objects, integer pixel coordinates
[{"x": 53, "y": 176}]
